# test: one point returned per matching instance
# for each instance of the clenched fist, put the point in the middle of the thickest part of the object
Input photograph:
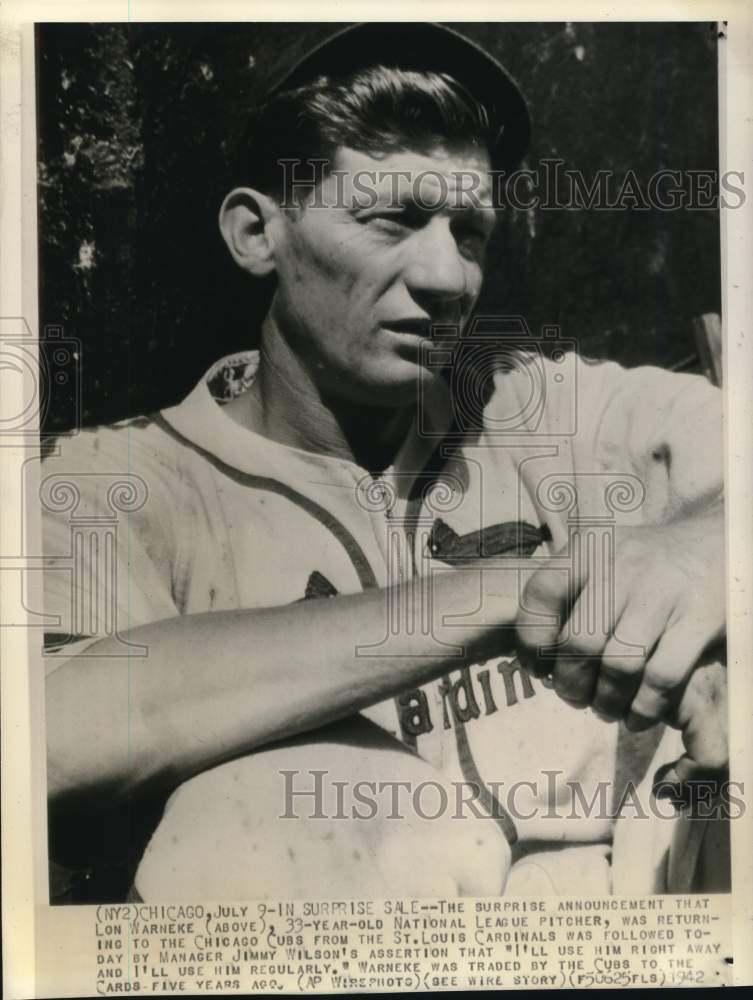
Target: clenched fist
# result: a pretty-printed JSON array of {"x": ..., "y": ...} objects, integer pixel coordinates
[{"x": 627, "y": 637}]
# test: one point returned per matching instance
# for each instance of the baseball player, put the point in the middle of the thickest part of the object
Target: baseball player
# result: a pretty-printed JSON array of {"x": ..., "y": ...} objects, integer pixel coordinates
[{"x": 348, "y": 560}]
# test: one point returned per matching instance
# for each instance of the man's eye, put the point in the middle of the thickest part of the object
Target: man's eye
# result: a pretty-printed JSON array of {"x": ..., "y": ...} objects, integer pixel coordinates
[
  {"x": 393, "y": 221},
  {"x": 389, "y": 218}
]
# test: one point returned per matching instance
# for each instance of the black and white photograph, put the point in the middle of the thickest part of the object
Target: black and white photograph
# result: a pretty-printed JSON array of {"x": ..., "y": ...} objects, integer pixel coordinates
[
  {"x": 381, "y": 495},
  {"x": 373, "y": 431}
]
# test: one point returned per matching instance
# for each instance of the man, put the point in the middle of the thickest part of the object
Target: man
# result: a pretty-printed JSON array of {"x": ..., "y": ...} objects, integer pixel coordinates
[{"x": 339, "y": 462}]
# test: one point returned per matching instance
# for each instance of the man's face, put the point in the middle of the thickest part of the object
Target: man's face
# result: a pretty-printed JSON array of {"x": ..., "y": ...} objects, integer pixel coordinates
[{"x": 398, "y": 249}]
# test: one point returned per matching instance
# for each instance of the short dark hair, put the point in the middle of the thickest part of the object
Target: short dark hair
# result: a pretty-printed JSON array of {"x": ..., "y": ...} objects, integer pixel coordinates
[{"x": 377, "y": 110}]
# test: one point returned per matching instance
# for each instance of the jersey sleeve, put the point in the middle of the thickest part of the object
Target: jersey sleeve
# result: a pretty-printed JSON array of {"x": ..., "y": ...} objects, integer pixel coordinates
[
  {"x": 110, "y": 506},
  {"x": 662, "y": 428}
]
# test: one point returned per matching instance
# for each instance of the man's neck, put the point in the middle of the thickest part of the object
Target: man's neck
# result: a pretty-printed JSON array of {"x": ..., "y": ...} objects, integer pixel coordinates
[{"x": 285, "y": 405}]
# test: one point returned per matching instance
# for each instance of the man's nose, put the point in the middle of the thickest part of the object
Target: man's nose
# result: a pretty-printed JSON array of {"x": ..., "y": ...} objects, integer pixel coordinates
[{"x": 437, "y": 272}]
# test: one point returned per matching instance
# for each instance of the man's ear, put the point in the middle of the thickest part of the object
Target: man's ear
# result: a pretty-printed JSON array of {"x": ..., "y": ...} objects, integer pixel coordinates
[{"x": 245, "y": 215}]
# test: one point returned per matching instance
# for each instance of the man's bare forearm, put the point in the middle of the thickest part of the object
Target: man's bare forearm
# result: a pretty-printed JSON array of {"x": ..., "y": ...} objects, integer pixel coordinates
[{"x": 219, "y": 684}]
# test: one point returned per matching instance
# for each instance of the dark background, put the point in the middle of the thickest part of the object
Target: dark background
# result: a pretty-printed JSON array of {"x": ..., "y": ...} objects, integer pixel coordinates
[{"x": 136, "y": 130}]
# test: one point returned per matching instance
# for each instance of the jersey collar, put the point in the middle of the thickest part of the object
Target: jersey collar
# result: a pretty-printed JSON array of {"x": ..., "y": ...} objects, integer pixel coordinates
[{"x": 200, "y": 418}]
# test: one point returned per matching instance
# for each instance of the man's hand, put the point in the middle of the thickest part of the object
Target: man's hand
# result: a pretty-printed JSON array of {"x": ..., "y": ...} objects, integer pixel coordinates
[
  {"x": 702, "y": 716},
  {"x": 625, "y": 639}
]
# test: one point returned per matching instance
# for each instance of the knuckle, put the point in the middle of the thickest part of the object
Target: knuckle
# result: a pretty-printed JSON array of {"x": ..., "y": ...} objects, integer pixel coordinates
[
  {"x": 650, "y": 703},
  {"x": 575, "y": 679},
  {"x": 608, "y": 711},
  {"x": 608, "y": 706},
  {"x": 582, "y": 643},
  {"x": 643, "y": 716},
  {"x": 618, "y": 666},
  {"x": 533, "y": 638},
  {"x": 574, "y": 664},
  {"x": 662, "y": 682},
  {"x": 611, "y": 696}
]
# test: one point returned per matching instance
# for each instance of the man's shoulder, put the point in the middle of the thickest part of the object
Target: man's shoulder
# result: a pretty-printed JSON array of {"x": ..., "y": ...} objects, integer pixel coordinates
[
  {"x": 139, "y": 457},
  {"x": 539, "y": 394},
  {"x": 568, "y": 395},
  {"x": 123, "y": 445}
]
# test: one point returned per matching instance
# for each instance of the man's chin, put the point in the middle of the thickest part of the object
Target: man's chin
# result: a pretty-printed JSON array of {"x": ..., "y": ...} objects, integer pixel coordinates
[{"x": 398, "y": 383}]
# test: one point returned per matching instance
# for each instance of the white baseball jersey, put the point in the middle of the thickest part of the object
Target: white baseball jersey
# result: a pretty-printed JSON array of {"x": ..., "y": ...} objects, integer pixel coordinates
[{"x": 222, "y": 518}]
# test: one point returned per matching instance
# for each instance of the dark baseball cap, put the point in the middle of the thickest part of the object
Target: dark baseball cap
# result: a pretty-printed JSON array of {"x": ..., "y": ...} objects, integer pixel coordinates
[{"x": 425, "y": 46}]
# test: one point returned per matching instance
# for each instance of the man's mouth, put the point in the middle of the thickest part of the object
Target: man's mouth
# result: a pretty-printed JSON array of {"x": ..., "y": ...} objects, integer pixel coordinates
[
  {"x": 416, "y": 327},
  {"x": 426, "y": 329}
]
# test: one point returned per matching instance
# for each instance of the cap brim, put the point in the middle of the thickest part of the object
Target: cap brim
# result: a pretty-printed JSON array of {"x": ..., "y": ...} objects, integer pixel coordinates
[{"x": 426, "y": 46}]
